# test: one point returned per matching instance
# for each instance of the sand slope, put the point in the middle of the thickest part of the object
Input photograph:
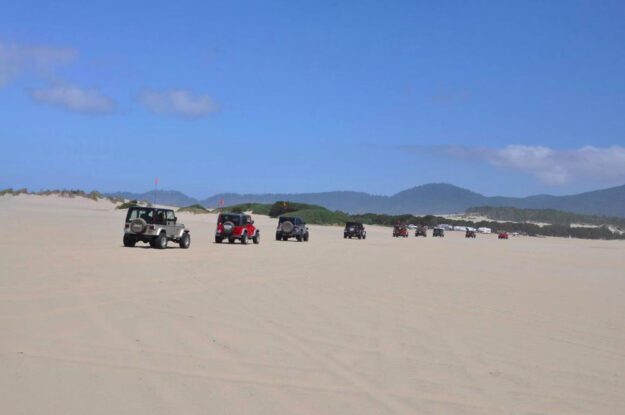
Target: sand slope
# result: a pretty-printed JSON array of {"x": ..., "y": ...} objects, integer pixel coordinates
[{"x": 427, "y": 326}]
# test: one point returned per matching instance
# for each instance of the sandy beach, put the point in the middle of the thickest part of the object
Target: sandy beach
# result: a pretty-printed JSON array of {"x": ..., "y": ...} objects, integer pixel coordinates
[{"x": 332, "y": 326}]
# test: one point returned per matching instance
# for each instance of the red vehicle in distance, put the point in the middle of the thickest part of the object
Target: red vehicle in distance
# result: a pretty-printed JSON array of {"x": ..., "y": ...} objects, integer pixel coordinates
[
  {"x": 400, "y": 231},
  {"x": 503, "y": 235},
  {"x": 233, "y": 226}
]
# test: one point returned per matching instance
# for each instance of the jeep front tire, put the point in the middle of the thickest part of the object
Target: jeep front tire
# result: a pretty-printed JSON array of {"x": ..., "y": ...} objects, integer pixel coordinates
[{"x": 185, "y": 240}]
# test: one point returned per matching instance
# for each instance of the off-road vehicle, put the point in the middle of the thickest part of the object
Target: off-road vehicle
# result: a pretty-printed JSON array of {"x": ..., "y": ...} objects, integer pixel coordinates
[
  {"x": 438, "y": 232},
  {"x": 154, "y": 226},
  {"x": 421, "y": 231},
  {"x": 400, "y": 230},
  {"x": 291, "y": 227},
  {"x": 354, "y": 230},
  {"x": 469, "y": 234},
  {"x": 233, "y": 226},
  {"x": 503, "y": 235}
]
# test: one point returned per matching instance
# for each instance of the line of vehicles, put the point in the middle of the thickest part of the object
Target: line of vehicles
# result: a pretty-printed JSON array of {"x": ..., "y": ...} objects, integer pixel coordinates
[
  {"x": 402, "y": 230},
  {"x": 159, "y": 226}
]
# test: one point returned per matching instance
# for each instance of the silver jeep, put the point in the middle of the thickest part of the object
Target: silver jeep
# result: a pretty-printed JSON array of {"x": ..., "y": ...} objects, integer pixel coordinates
[
  {"x": 292, "y": 227},
  {"x": 154, "y": 226}
]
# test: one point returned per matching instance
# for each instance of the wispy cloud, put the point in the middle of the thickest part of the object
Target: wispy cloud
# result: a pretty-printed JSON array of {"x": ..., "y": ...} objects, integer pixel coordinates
[
  {"x": 17, "y": 59},
  {"x": 178, "y": 102},
  {"x": 73, "y": 98},
  {"x": 561, "y": 166},
  {"x": 550, "y": 166}
]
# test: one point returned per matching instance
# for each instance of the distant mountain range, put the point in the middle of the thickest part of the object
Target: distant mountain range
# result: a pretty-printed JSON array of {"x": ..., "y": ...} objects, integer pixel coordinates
[{"x": 435, "y": 198}]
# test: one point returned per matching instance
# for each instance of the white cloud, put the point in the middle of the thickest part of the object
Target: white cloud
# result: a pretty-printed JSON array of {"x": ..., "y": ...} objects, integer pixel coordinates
[
  {"x": 73, "y": 98},
  {"x": 551, "y": 166},
  {"x": 180, "y": 103},
  {"x": 16, "y": 59}
]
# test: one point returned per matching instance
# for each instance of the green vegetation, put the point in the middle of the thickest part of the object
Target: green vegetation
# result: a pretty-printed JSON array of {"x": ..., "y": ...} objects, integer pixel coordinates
[
  {"x": 258, "y": 208},
  {"x": 322, "y": 216},
  {"x": 551, "y": 216},
  {"x": 94, "y": 195},
  {"x": 283, "y": 207},
  {"x": 312, "y": 214},
  {"x": 127, "y": 205},
  {"x": 115, "y": 200},
  {"x": 195, "y": 209},
  {"x": 12, "y": 192}
]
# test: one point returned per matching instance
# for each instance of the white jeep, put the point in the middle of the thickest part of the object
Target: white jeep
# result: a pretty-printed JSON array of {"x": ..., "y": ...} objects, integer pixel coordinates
[{"x": 154, "y": 226}]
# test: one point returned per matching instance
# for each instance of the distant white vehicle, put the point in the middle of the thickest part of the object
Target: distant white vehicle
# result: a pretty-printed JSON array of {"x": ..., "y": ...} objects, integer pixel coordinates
[
  {"x": 471, "y": 229},
  {"x": 484, "y": 230},
  {"x": 460, "y": 228},
  {"x": 445, "y": 226},
  {"x": 412, "y": 226}
]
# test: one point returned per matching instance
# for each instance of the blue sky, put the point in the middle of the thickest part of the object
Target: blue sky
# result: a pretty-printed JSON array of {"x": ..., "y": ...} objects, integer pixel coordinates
[{"x": 510, "y": 98}]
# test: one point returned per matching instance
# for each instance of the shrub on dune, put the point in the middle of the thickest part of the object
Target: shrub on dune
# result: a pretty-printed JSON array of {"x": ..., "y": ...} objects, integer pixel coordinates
[{"x": 195, "y": 209}]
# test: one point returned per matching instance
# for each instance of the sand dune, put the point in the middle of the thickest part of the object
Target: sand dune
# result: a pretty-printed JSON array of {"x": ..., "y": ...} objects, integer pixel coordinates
[{"x": 333, "y": 326}]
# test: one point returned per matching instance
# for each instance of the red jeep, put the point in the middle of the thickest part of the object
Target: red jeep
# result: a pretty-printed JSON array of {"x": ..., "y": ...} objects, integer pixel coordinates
[
  {"x": 503, "y": 235},
  {"x": 400, "y": 230},
  {"x": 233, "y": 226}
]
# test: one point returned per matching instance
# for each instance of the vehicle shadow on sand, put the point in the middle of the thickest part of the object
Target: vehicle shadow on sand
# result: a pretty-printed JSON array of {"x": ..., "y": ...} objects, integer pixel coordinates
[{"x": 149, "y": 247}]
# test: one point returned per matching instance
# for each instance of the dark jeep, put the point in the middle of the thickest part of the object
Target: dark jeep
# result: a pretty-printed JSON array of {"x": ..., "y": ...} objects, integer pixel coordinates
[
  {"x": 154, "y": 226},
  {"x": 470, "y": 234},
  {"x": 354, "y": 230},
  {"x": 438, "y": 232},
  {"x": 291, "y": 227},
  {"x": 421, "y": 231}
]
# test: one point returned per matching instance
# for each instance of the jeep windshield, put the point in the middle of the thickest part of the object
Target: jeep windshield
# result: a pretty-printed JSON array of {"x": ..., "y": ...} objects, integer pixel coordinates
[
  {"x": 146, "y": 214},
  {"x": 236, "y": 219},
  {"x": 353, "y": 225},
  {"x": 285, "y": 219}
]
